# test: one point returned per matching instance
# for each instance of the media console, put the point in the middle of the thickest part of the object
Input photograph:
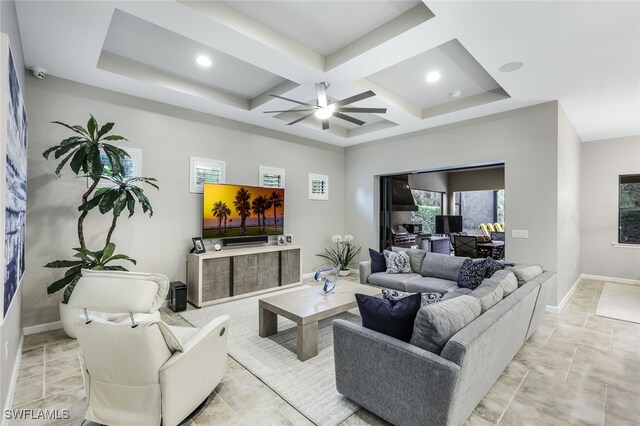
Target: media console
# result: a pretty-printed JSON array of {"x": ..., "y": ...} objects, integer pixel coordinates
[{"x": 213, "y": 276}]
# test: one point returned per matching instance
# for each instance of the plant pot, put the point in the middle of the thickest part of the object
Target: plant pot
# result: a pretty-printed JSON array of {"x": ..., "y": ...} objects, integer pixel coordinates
[
  {"x": 68, "y": 319},
  {"x": 344, "y": 272}
]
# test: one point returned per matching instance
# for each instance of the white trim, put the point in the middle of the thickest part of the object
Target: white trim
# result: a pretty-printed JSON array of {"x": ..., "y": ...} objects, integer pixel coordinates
[
  {"x": 565, "y": 299},
  {"x": 308, "y": 275},
  {"x": 611, "y": 279},
  {"x": 629, "y": 246},
  {"x": 33, "y": 329},
  {"x": 12, "y": 384}
]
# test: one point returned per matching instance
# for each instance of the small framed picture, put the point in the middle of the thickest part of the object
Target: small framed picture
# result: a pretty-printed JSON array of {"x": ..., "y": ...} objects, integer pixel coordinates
[
  {"x": 281, "y": 240},
  {"x": 288, "y": 238},
  {"x": 198, "y": 245}
]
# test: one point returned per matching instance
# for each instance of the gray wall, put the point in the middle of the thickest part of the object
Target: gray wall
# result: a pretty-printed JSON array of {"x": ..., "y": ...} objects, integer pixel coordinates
[
  {"x": 568, "y": 242},
  {"x": 11, "y": 329},
  {"x": 525, "y": 140},
  {"x": 476, "y": 180},
  {"x": 602, "y": 162},
  {"x": 167, "y": 137}
]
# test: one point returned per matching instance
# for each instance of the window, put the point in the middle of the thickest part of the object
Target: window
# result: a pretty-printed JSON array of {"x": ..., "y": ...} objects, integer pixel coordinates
[
  {"x": 132, "y": 165},
  {"x": 629, "y": 209},
  {"x": 318, "y": 187},
  {"x": 429, "y": 206},
  {"x": 271, "y": 177},
  {"x": 203, "y": 171}
]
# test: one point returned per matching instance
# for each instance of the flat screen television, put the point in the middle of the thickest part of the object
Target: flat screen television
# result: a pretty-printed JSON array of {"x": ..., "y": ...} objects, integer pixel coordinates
[
  {"x": 448, "y": 224},
  {"x": 237, "y": 210}
]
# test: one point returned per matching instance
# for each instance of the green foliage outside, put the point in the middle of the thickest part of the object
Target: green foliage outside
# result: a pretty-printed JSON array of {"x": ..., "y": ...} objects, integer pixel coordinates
[
  {"x": 500, "y": 213},
  {"x": 426, "y": 215},
  {"x": 630, "y": 213}
]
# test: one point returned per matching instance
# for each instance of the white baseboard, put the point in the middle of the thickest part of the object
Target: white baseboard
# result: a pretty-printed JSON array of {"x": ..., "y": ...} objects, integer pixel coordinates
[
  {"x": 557, "y": 309},
  {"x": 12, "y": 385},
  {"x": 612, "y": 279},
  {"x": 42, "y": 327},
  {"x": 308, "y": 275}
]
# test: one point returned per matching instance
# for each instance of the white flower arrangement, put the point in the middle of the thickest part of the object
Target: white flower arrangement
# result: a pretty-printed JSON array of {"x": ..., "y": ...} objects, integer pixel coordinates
[{"x": 343, "y": 254}]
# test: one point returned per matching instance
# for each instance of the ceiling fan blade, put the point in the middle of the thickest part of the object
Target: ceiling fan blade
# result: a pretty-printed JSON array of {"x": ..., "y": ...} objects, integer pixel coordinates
[
  {"x": 347, "y": 118},
  {"x": 292, "y": 100},
  {"x": 325, "y": 124},
  {"x": 304, "y": 117},
  {"x": 290, "y": 110},
  {"x": 364, "y": 110},
  {"x": 355, "y": 98},
  {"x": 321, "y": 91}
]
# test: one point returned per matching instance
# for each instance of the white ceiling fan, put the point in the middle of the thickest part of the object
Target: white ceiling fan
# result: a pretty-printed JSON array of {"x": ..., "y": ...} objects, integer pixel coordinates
[{"x": 324, "y": 110}]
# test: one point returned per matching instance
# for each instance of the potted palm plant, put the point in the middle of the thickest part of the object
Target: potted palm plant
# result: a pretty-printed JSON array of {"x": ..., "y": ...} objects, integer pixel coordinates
[
  {"x": 90, "y": 155},
  {"x": 343, "y": 254}
]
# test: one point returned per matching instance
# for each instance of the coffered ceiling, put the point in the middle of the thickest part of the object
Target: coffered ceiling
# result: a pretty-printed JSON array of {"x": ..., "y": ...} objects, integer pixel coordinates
[{"x": 584, "y": 54}]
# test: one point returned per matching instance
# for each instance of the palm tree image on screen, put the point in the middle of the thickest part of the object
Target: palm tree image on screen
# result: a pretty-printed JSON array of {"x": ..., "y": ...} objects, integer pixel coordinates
[{"x": 234, "y": 210}]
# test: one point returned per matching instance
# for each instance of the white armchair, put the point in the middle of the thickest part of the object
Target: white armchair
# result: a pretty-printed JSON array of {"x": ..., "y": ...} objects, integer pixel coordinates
[{"x": 142, "y": 373}]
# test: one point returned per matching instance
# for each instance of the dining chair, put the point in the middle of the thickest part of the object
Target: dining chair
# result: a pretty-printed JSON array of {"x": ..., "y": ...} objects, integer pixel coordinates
[
  {"x": 498, "y": 252},
  {"x": 465, "y": 245}
]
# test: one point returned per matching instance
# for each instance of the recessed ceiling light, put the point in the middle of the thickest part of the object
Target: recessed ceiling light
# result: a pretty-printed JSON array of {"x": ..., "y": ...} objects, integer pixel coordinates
[
  {"x": 326, "y": 112},
  {"x": 455, "y": 94},
  {"x": 433, "y": 76},
  {"x": 203, "y": 61},
  {"x": 511, "y": 66}
]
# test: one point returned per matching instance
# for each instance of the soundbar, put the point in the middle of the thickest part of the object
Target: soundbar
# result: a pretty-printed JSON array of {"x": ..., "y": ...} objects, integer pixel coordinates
[{"x": 237, "y": 241}]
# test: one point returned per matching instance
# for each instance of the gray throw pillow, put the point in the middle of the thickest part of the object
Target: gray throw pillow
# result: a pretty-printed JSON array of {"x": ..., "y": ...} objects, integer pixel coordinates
[
  {"x": 489, "y": 293},
  {"x": 507, "y": 281},
  {"x": 436, "y": 323},
  {"x": 441, "y": 266},
  {"x": 416, "y": 257},
  {"x": 395, "y": 295},
  {"x": 397, "y": 263},
  {"x": 524, "y": 272}
]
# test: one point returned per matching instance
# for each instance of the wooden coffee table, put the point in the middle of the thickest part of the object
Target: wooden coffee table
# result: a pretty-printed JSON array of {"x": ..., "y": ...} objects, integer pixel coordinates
[{"x": 306, "y": 307}]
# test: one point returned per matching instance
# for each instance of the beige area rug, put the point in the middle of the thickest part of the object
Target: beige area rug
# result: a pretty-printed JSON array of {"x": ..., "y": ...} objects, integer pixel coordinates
[
  {"x": 620, "y": 301},
  {"x": 308, "y": 386}
]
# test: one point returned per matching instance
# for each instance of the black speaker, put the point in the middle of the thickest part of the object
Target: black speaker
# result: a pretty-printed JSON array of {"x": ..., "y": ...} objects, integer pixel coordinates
[
  {"x": 178, "y": 296},
  {"x": 236, "y": 241}
]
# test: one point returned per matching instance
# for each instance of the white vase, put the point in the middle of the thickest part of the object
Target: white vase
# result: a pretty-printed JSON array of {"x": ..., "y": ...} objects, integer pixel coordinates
[
  {"x": 344, "y": 272},
  {"x": 68, "y": 318}
]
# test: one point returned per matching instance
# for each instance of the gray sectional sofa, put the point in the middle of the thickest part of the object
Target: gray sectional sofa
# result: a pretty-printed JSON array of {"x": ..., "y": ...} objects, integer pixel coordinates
[{"x": 459, "y": 348}]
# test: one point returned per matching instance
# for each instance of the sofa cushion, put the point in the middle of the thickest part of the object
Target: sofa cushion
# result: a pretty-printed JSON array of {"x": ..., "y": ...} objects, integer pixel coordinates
[
  {"x": 378, "y": 264},
  {"x": 393, "y": 318},
  {"x": 471, "y": 274},
  {"x": 397, "y": 262},
  {"x": 507, "y": 281},
  {"x": 525, "y": 272},
  {"x": 436, "y": 323},
  {"x": 488, "y": 293},
  {"x": 459, "y": 291},
  {"x": 429, "y": 284},
  {"x": 441, "y": 266},
  {"x": 394, "y": 281},
  {"x": 416, "y": 257},
  {"x": 427, "y": 298}
]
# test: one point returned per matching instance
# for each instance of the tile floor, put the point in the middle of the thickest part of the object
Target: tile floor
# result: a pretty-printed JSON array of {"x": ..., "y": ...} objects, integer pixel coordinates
[{"x": 576, "y": 369}]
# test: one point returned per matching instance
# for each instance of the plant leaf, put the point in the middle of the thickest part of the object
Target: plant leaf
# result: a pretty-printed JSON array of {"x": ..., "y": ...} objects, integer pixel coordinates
[
  {"x": 121, "y": 257},
  {"x": 105, "y": 129},
  {"x": 63, "y": 263},
  {"x": 60, "y": 284},
  {"x": 62, "y": 163},
  {"x": 78, "y": 129},
  {"x": 108, "y": 200},
  {"x": 131, "y": 203},
  {"x": 92, "y": 125},
  {"x": 67, "y": 292},
  {"x": 108, "y": 251},
  {"x": 120, "y": 203},
  {"x": 73, "y": 270},
  {"x": 115, "y": 138},
  {"x": 115, "y": 268},
  {"x": 79, "y": 158},
  {"x": 95, "y": 171},
  {"x": 49, "y": 151},
  {"x": 92, "y": 203},
  {"x": 64, "y": 149}
]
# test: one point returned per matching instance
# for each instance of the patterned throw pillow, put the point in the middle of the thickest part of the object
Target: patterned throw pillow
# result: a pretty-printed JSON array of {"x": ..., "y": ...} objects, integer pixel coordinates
[
  {"x": 397, "y": 263},
  {"x": 492, "y": 266},
  {"x": 395, "y": 295},
  {"x": 471, "y": 274}
]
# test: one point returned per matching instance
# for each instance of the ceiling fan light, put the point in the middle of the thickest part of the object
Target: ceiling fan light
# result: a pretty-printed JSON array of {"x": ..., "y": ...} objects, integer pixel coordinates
[{"x": 326, "y": 112}]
